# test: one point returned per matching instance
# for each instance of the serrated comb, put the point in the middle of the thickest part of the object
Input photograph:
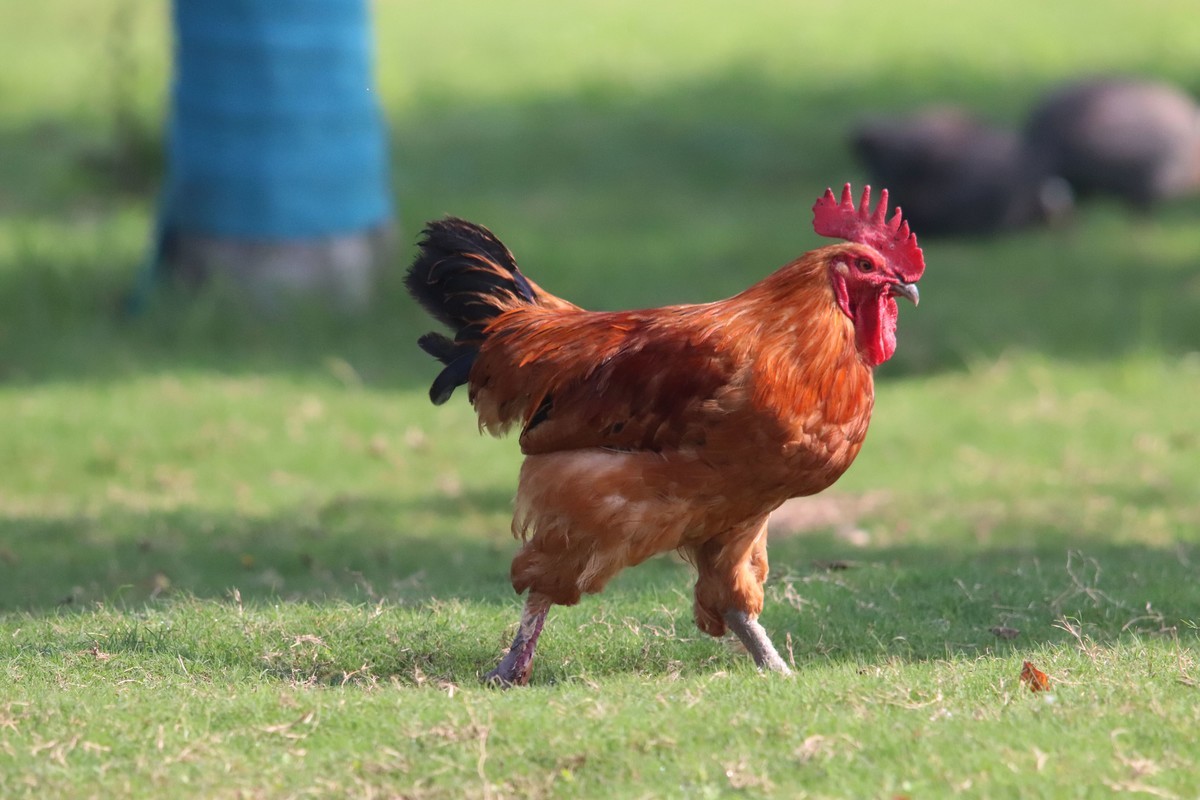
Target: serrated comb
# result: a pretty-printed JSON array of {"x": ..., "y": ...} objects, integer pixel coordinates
[{"x": 892, "y": 238}]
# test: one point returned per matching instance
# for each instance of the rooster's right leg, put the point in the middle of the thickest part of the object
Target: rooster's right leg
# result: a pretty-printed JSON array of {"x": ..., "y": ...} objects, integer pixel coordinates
[{"x": 517, "y": 664}]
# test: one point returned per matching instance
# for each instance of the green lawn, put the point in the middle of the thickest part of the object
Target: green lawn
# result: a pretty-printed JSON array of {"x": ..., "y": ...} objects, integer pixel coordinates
[{"x": 246, "y": 558}]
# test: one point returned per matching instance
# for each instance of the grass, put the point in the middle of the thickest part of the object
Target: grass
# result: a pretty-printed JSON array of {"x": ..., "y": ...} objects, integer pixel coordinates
[{"x": 245, "y": 558}]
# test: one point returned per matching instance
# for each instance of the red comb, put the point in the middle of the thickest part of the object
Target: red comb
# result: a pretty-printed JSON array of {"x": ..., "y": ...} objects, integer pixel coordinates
[{"x": 891, "y": 237}]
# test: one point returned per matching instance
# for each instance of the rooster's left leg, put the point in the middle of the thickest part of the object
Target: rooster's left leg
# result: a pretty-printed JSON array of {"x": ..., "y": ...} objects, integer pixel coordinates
[
  {"x": 514, "y": 669},
  {"x": 756, "y": 641},
  {"x": 729, "y": 596}
]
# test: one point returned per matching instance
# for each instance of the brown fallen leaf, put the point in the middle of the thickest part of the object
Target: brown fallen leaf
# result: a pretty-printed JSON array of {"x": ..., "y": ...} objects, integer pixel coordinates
[
  {"x": 1003, "y": 632},
  {"x": 95, "y": 652},
  {"x": 1038, "y": 681},
  {"x": 285, "y": 728}
]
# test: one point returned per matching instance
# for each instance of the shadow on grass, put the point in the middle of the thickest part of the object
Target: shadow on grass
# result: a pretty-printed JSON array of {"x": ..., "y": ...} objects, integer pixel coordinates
[
  {"x": 620, "y": 197},
  {"x": 444, "y": 609},
  {"x": 357, "y": 549}
]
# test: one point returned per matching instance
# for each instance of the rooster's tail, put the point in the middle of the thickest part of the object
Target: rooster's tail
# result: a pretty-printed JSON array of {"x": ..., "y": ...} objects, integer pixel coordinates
[{"x": 465, "y": 277}]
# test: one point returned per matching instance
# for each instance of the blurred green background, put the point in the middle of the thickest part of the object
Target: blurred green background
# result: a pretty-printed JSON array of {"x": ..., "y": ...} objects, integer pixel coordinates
[{"x": 629, "y": 155}]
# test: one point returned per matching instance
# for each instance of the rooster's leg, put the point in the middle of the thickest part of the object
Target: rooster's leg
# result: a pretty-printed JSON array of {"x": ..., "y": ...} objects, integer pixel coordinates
[
  {"x": 755, "y": 638},
  {"x": 514, "y": 668}
]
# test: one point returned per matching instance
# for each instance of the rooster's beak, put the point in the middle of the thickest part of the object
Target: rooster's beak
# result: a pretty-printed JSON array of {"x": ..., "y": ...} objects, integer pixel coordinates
[{"x": 908, "y": 290}]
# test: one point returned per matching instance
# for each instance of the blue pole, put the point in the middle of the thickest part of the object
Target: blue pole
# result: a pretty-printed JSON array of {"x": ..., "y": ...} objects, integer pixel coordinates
[{"x": 275, "y": 133}]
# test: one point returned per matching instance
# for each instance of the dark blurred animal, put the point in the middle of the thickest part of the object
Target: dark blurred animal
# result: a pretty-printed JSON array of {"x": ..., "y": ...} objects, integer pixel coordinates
[
  {"x": 1136, "y": 139},
  {"x": 956, "y": 175},
  {"x": 678, "y": 428}
]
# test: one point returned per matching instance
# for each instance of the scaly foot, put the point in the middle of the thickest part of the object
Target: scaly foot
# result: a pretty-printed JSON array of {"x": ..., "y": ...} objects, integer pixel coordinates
[
  {"x": 756, "y": 641},
  {"x": 517, "y": 665}
]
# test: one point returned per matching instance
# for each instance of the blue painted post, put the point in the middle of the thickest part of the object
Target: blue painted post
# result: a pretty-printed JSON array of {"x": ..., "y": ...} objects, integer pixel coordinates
[{"x": 277, "y": 154}]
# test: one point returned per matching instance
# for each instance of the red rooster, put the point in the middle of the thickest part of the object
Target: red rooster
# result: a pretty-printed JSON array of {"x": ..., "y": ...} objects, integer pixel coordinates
[{"x": 676, "y": 428}]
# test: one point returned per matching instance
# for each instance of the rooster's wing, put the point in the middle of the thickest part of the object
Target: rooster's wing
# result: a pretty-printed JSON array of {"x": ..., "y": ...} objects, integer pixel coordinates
[{"x": 643, "y": 380}]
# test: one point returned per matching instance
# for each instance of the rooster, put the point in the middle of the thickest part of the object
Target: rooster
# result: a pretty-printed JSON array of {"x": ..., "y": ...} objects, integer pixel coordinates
[{"x": 677, "y": 428}]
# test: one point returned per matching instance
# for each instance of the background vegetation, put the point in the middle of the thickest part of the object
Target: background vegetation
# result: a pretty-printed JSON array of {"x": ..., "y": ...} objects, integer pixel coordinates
[{"x": 243, "y": 557}]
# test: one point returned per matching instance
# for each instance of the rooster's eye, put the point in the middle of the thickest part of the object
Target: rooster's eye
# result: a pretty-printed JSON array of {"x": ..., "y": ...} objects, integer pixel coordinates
[{"x": 864, "y": 265}]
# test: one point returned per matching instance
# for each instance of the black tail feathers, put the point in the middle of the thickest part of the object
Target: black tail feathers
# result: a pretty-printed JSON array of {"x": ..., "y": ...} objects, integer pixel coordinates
[
  {"x": 463, "y": 276},
  {"x": 458, "y": 358}
]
